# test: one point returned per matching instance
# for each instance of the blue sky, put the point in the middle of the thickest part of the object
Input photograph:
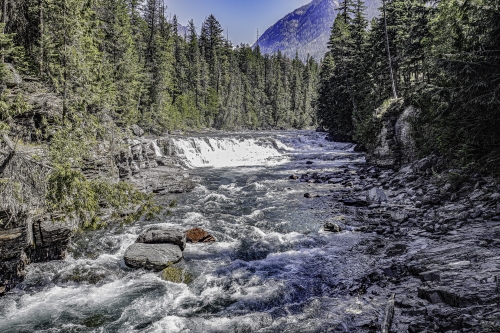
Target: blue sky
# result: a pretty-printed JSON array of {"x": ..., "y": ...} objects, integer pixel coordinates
[{"x": 241, "y": 17}]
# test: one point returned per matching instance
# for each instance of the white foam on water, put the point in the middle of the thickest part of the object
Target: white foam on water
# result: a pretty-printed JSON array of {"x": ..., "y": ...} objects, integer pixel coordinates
[
  {"x": 229, "y": 152},
  {"x": 246, "y": 323},
  {"x": 258, "y": 263}
]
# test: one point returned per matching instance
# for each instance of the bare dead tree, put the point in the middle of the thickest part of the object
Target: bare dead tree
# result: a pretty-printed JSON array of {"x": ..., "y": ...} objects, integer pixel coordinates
[{"x": 23, "y": 183}]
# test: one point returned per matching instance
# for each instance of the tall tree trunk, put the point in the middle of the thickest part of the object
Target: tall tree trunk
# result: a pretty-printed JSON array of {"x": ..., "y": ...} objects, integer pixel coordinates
[
  {"x": 4, "y": 21},
  {"x": 40, "y": 4},
  {"x": 65, "y": 68},
  {"x": 394, "y": 92}
]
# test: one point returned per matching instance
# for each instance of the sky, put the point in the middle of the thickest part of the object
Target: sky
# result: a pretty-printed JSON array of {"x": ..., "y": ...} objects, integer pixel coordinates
[{"x": 241, "y": 17}]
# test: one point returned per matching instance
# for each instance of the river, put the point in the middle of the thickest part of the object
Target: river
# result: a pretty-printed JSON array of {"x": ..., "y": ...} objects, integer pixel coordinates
[{"x": 272, "y": 269}]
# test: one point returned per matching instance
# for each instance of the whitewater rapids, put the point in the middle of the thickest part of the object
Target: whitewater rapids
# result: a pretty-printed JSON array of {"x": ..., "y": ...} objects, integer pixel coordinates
[{"x": 272, "y": 268}]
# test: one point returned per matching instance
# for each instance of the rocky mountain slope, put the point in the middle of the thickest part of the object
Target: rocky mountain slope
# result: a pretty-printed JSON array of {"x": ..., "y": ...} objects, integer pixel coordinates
[{"x": 306, "y": 30}]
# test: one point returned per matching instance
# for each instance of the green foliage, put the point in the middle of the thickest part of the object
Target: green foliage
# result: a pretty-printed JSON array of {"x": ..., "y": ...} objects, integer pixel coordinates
[
  {"x": 445, "y": 60},
  {"x": 70, "y": 193},
  {"x": 13, "y": 108},
  {"x": 127, "y": 59},
  {"x": 343, "y": 73},
  {"x": 72, "y": 143},
  {"x": 6, "y": 49}
]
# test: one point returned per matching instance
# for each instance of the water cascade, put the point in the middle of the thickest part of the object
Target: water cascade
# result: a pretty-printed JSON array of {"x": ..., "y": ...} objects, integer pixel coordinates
[{"x": 273, "y": 268}]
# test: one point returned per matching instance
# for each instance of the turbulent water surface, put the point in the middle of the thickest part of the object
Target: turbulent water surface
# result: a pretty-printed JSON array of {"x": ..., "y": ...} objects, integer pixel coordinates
[{"x": 272, "y": 268}]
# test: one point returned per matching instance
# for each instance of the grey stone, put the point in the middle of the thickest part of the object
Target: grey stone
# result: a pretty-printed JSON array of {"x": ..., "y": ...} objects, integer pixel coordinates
[
  {"x": 394, "y": 145},
  {"x": 152, "y": 256},
  {"x": 376, "y": 195},
  {"x": 137, "y": 130},
  {"x": 430, "y": 276},
  {"x": 332, "y": 227},
  {"x": 335, "y": 180},
  {"x": 495, "y": 196},
  {"x": 13, "y": 79},
  {"x": 399, "y": 216},
  {"x": 163, "y": 237}
]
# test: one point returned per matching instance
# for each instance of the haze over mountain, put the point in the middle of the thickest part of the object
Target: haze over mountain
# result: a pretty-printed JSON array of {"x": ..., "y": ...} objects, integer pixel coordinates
[{"x": 307, "y": 29}]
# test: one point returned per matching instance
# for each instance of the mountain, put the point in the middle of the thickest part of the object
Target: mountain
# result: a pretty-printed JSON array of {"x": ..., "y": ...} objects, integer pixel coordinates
[
  {"x": 182, "y": 30},
  {"x": 307, "y": 29}
]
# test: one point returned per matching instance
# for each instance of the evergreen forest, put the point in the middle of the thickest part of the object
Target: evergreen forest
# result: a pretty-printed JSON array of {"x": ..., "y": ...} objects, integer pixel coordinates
[
  {"x": 127, "y": 60},
  {"x": 442, "y": 57}
]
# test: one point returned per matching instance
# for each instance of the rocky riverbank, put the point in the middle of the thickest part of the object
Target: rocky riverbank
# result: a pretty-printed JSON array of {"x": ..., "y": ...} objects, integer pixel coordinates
[
  {"x": 434, "y": 237},
  {"x": 147, "y": 164}
]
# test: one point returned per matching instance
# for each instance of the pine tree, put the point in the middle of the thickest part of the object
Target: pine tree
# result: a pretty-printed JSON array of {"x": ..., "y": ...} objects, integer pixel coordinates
[
  {"x": 335, "y": 111},
  {"x": 122, "y": 58}
]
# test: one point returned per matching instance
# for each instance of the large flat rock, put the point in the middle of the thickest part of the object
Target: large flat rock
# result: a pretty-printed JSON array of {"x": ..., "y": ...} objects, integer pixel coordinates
[
  {"x": 152, "y": 256},
  {"x": 163, "y": 237}
]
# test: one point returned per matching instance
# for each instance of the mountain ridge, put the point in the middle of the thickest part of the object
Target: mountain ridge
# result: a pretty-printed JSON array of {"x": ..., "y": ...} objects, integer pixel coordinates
[{"x": 306, "y": 30}]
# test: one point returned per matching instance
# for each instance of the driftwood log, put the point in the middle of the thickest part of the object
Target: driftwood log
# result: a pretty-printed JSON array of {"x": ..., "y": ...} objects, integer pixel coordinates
[{"x": 389, "y": 315}]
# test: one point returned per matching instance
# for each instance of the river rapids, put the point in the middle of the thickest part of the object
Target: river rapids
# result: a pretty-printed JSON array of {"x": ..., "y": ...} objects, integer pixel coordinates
[{"x": 272, "y": 269}]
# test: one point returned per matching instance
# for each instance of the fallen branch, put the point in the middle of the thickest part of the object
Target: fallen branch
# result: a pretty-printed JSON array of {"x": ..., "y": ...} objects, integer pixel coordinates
[
  {"x": 9, "y": 143},
  {"x": 10, "y": 154},
  {"x": 389, "y": 315}
]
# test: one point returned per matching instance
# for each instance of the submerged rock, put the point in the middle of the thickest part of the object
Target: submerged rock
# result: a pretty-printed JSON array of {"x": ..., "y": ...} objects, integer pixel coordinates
[
  {"x": 163, "y": 237},
  {"x": 197, "y": 235},
  {"x": 310, "y": 196},
  {"x": 152, "y": 256},
  {"x": 332, "y": 227},
  {"x": 177, "y": 275},
  {"x": 294, "y": 177}
]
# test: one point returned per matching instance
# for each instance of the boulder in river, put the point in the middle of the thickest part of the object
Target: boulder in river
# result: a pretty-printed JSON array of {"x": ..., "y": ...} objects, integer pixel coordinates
[
  {"x": 310, "y": 196},
  {"x": 197, "y": 235},
  {"x": 294, "y": 177},
  {"x": 332, "y": 227},
  {"x": 309, "y": 162},
  {"x": 163, "y": 237},
  {"x": 152, "y": 256}
]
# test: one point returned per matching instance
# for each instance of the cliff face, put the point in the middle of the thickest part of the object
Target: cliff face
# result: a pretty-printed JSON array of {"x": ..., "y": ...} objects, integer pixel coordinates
[
  {"x": 35, "y": 241},
  {"x": 394, "y": 145}
]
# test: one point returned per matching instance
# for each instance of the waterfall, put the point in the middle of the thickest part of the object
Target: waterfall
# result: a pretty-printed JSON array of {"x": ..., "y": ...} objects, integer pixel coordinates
[{"x": 220, "y": 152}]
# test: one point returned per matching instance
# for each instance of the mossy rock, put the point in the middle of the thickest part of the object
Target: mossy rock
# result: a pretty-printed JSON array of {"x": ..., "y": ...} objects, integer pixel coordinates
[
  {"x": 177, "y": 275},
  {"x": 95, "y": 321}
]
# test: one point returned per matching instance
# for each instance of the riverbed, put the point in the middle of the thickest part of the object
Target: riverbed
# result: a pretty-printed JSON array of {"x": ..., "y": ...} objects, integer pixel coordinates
[{"x": 273, "y": 268}]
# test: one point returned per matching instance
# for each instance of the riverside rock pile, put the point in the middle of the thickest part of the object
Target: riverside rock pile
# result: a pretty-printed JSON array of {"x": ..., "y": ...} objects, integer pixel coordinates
[{"x": 434, "y": 238}]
